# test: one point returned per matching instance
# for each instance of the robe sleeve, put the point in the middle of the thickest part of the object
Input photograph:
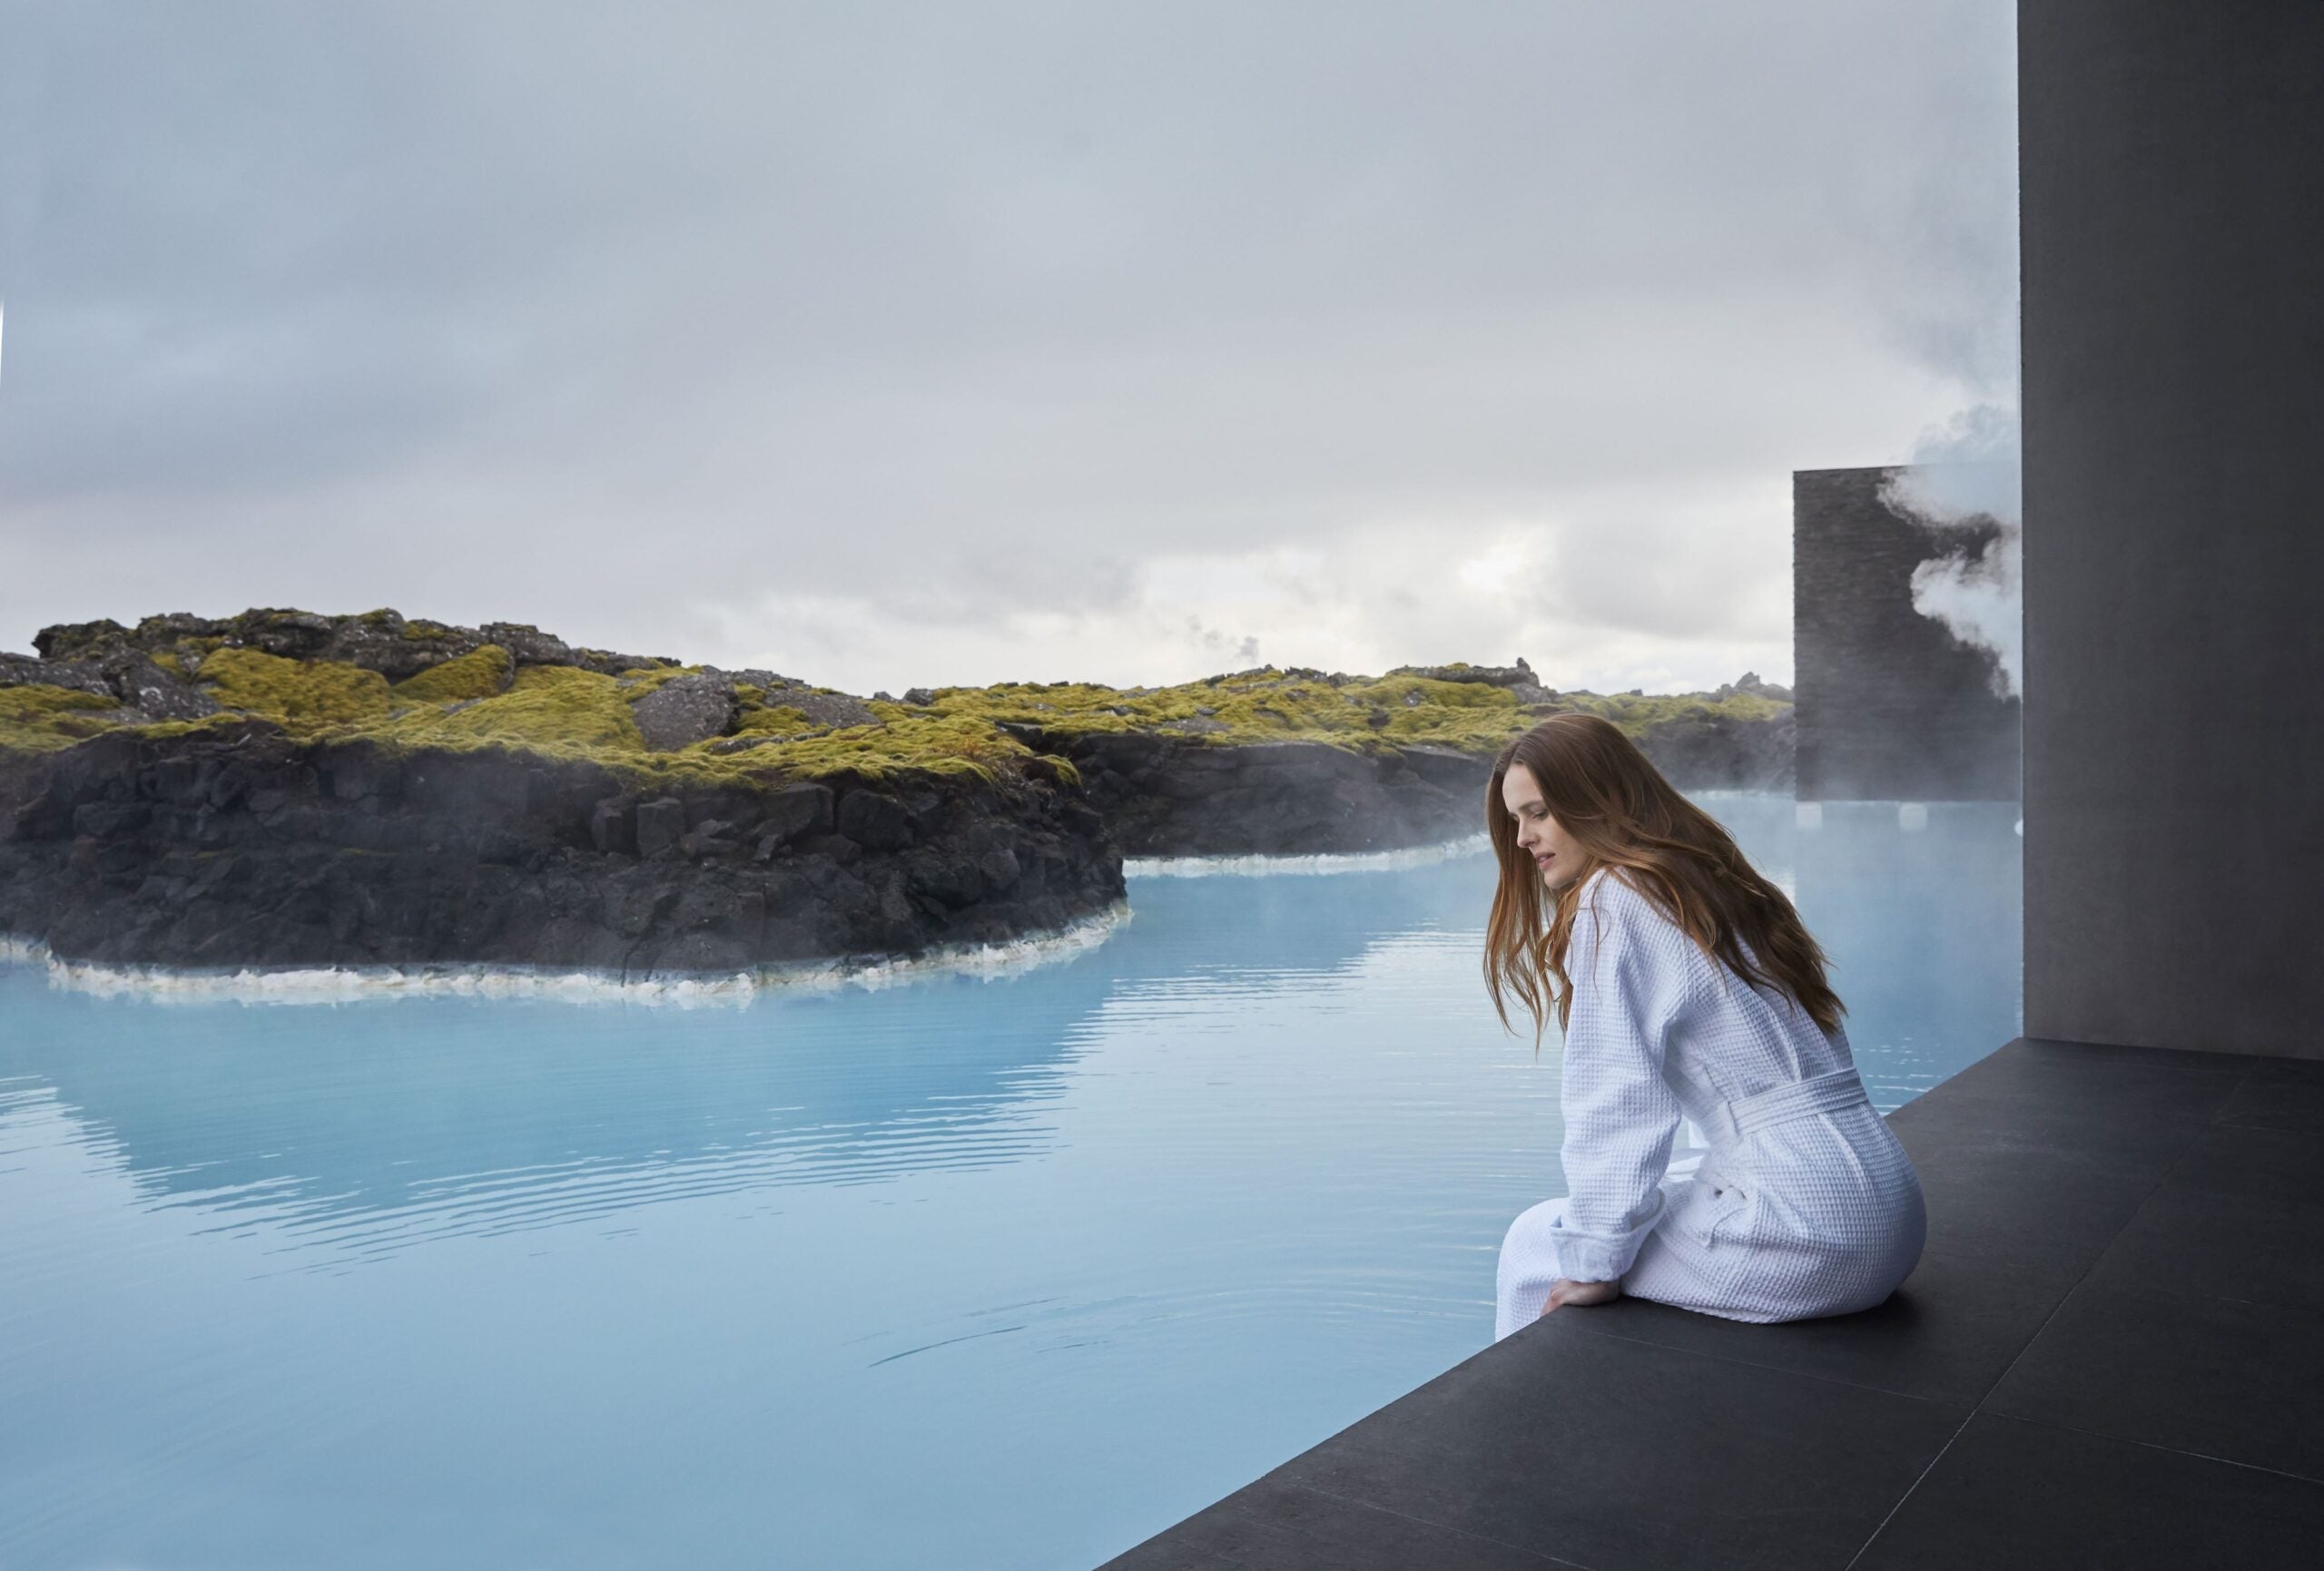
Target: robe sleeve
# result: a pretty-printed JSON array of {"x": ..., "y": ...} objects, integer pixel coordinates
[{"x": 1620, "y": 1116}]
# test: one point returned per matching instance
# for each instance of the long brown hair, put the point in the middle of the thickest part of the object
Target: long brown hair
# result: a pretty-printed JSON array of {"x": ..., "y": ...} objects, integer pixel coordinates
[{"x": 1612, "y": 801}]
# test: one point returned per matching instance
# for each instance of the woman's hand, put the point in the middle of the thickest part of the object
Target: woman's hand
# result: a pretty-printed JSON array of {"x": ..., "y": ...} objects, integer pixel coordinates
[{"x": 1563, "y": 1291}]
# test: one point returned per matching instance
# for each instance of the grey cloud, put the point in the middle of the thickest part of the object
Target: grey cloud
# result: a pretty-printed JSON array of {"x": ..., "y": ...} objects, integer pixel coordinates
[{"x": 975, "y": 306}]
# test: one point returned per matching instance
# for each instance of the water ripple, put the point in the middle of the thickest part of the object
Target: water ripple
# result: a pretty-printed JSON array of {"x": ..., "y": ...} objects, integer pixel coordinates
[{"x": 474, "y": 1280}]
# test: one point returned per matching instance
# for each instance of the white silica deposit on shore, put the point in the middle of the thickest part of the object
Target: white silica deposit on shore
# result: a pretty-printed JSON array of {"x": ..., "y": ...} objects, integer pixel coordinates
[
  {"x": 1322, "y": 862},
  {"x": 352, "y": 984}
]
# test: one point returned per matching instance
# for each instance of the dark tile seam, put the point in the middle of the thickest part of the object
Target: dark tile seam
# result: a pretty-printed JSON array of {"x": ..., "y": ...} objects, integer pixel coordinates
[
  {"x": 1976, "y": 1401},
  {"x": 2174, "y": 1160},
  {"x": 2156, "y": 1446},
  {"x": 1810, "y": 1374},
  {"x": 2203, "y": 1060},
  {"x": 1433, "y": 1526},
  {"x": 2053, "y": 1064},
  {"x": 1660, "y": 1348},
  {"x": 2190, "y": 1295},
  {"x": 2225, "y": 1123},
  {"x": 1890, "y": 1514},
  {"x": 2255, "y": 1063}
]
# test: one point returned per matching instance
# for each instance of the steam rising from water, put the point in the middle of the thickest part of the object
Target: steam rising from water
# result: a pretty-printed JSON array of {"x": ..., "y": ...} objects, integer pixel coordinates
[
  {"x": 1320, "y": 862},
  {"x": 1965, "y": 476}
]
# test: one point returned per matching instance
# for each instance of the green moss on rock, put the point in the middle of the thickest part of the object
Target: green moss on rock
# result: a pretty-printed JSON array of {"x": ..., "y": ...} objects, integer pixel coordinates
[
  {"x": 636, "y": 683},
  {"x": 1265, "y": 705},
  {"x": 782, "y": 720},
  {"x": 560, "y": 711},
  {"x": 934, "y": 743},
  {"x": 481, "y": 700},
  {"x": 1638, "y": 713},
  {"x": 39, "y": 719},
  {"x": 479, "y": 673},
  {"x": 306, "y": 697}
]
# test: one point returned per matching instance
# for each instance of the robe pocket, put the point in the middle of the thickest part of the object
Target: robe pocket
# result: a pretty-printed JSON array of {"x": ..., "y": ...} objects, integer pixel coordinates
[{"x": 1727, "y": 1203}]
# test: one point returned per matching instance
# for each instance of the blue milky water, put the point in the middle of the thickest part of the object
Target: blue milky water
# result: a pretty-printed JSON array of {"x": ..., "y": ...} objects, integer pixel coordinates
[{"x": 1005, "y": 1273}]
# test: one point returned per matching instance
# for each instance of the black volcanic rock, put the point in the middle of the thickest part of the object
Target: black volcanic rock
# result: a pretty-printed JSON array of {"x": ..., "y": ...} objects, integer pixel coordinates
[
  {"x": 787, "y": 812},
  {"x": 1518, "y": 678},
  {"x": 75, "y": 675},
  {"x": 684, "y": 711},
  {"x": 153, "y": 692},
  {"x": 1750, "y": 683},
  {"x": 144, "y": 691},
  {"x": 383, "y": 641},
  {"x": 875, "y": 821},
  {"x": 1173, "y": 795},
  {"x": 323, "y": 820},
  {"x": 1722, "y": 752},
  {"x": 1165, "y": 796},
  {"x": 242, "y": 846},
  {"x": 657, "y": 825}
]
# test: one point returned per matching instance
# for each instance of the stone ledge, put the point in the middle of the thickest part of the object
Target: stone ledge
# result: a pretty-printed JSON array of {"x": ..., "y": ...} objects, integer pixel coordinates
[{"x": 2116, "y": 1339}]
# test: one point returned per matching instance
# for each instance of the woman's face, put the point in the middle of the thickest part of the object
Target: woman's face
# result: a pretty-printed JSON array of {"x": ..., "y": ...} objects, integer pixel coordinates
[{"x": 1537, "y": 832}]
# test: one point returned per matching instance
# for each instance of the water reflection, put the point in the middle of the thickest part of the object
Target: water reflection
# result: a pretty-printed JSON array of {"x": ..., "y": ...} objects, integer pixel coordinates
[
  {"x": 968, "y": 1273},
  {"x": 1926, "y": 930},
  {"x": 1925, "y": 926},
  {"x": 378, "y": 1123}
]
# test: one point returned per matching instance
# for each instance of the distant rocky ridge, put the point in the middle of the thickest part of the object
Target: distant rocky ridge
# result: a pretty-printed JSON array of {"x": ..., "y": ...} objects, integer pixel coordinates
[
  {"x": 1167, "y": 793},
  {"x": 150, "y": 670},
  {"x": 1169, "y": 788},
  {"x": 1166, "y": 796},
  {"x": 283, "y": 788},
  {"x": 382, "y": 641}
]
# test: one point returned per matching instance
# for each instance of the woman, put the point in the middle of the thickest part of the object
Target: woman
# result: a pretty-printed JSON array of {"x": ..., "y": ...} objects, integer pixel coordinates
[{"x": 1687, "y": 988}]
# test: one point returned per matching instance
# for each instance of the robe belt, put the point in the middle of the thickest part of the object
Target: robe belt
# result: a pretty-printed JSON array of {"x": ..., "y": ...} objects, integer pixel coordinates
[{"x": 1730, "y": 1121}]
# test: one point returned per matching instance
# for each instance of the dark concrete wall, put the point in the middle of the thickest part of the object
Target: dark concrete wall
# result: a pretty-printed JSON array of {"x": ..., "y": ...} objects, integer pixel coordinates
[
  {"x": 1890, "y": 705},
  {"x": 2171, "y": 186}
]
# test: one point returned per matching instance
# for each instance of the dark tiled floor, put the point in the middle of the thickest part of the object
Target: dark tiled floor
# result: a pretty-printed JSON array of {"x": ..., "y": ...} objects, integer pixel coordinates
[
  {"x": 2110, "y": 1354},
  {"x": 2010, "y": 1492}
]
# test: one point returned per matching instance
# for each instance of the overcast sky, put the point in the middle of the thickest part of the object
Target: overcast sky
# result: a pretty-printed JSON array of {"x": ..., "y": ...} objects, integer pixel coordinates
[{"x": 971, "y": 341}]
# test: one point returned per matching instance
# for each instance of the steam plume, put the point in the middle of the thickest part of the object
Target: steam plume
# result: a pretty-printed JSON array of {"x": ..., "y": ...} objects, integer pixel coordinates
[{"x": 1962, "y": 490}]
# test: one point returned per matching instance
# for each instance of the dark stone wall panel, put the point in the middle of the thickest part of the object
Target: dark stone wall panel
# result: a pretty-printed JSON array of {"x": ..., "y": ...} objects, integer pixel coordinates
[
  {"x": 2173, "y": 194},
  {"x": 1891, "y": 706}
]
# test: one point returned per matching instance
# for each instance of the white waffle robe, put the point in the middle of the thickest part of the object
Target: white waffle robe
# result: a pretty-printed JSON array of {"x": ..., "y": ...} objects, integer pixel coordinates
[{"x": 1803, "y": 1202}]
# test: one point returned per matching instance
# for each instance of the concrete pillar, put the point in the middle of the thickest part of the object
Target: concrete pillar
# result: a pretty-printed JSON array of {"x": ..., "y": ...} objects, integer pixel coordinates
[{"x": 2171, "y": 188}]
